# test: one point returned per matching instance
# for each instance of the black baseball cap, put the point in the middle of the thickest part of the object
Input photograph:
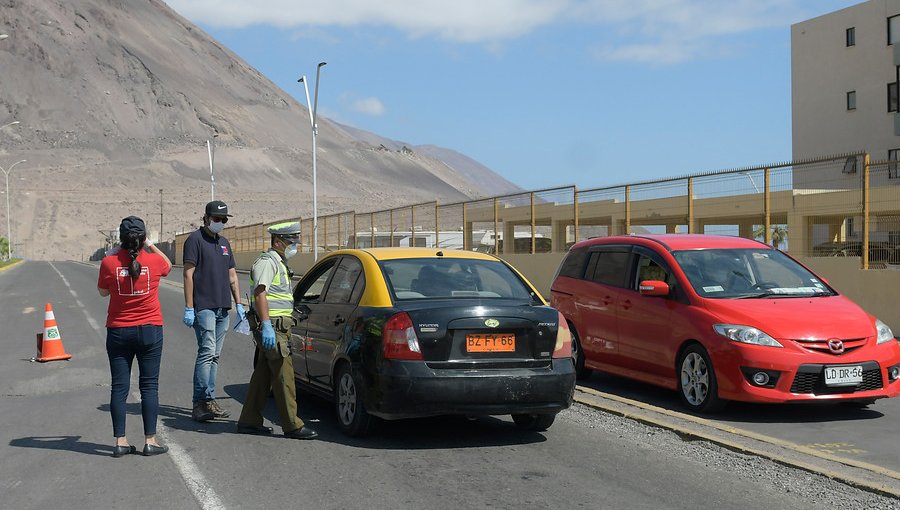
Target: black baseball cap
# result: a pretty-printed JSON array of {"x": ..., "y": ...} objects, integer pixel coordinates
[
  {"x": 217, "y": 208},
  {"x": 132, "y": 224}
]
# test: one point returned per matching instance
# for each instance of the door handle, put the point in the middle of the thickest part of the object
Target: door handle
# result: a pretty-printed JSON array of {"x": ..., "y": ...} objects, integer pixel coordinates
[{"x": 338, "y": 320}]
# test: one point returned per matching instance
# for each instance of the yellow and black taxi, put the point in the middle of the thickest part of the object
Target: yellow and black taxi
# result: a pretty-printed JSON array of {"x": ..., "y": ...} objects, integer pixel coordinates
[{"x": 392, "y": 333}]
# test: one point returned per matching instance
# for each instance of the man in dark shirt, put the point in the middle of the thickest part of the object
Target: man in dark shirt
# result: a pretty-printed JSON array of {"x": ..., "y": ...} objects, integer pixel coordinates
[{"x": 210, "y": 283}]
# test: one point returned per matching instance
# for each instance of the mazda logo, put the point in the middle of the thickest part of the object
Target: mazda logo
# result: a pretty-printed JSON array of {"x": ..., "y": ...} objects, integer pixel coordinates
[{"x": 835, "y": 345}]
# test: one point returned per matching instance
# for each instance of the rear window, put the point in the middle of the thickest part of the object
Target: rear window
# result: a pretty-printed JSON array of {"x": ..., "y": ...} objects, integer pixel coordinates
[
  {"x": 453, "y": 278},
  {"x": 573, "y": 265}
]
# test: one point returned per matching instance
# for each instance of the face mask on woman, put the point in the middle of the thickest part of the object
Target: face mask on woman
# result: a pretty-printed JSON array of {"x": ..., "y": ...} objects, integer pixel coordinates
[{"x": 216, "y": 226}]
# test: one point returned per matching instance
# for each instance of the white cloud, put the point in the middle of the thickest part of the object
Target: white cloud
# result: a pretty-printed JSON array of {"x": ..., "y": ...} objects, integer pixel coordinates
[
  {"x": 461, "y": 20},
  {"x": 659, "y": 31},
  {"x": 369, "y": 106}
]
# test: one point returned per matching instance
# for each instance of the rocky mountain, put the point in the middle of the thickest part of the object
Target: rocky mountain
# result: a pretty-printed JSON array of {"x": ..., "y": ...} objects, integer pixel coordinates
[{"x": 115, "y": 101}]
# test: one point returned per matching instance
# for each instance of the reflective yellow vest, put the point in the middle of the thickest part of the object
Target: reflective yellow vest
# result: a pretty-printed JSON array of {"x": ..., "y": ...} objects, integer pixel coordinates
[{"x": 278, "y": 293}]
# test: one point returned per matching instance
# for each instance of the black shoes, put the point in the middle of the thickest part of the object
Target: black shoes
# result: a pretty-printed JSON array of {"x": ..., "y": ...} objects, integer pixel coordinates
[
  {"x": 119, "y": 451},
  {"x": 253, "y": 429},
  {"x": 152, "y": 449},
  {"x": 149, "y": 449},
  {"x": 302, "y": 433}
]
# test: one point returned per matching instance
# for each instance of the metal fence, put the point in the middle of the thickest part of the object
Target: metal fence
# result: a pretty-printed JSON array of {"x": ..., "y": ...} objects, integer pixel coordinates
[{"x": 836, "y": 206}]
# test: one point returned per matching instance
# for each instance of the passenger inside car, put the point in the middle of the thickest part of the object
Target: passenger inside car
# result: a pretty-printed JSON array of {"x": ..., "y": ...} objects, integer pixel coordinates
[{"x": 430, "y": 282}]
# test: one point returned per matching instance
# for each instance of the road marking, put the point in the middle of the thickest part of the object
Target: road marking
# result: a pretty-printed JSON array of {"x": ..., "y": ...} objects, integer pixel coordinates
[{"x": 190, "y": 472}]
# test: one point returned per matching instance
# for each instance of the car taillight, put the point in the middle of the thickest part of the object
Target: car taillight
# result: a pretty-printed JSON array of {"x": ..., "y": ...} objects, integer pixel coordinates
[
  {"x": 399, "y": 338},
  {"x": 563, "y": 348}
]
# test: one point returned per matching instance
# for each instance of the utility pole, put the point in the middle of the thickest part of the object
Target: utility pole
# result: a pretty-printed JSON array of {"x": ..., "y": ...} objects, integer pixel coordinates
[{"x": 160, "y": 216}]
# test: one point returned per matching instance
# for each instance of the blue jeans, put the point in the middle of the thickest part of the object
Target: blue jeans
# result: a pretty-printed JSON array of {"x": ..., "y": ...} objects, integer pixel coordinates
[
  {"x": 122, "y": 346},
  {"x": 210, "y": 327}
]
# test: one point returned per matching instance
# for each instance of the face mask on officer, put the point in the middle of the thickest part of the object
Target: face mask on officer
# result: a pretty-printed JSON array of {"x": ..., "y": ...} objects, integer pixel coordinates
[
  {"x": 290, "y": 248},
  {"x": 216, "y": 225}
]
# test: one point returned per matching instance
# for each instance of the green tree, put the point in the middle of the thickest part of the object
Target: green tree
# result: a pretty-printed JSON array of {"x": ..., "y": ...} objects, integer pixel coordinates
[
  {"x": 4, "y": 248},
  {"x": 779, "y": 234}
]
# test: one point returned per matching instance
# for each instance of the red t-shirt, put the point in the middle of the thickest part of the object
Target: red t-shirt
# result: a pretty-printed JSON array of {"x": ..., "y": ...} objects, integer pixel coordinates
[{"x": 132, "y": 301}]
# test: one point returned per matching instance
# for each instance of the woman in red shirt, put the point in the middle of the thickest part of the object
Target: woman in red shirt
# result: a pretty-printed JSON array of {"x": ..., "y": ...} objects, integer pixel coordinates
[{"x": 130, "y": 277}]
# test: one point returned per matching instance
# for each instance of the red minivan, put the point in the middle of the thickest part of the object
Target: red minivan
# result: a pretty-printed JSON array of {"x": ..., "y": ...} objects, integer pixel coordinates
[{"x": 720, "y": 318}]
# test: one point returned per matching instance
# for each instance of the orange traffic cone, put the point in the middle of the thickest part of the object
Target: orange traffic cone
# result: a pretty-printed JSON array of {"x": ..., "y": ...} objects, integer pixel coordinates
[{"x": 49, "y": 344}]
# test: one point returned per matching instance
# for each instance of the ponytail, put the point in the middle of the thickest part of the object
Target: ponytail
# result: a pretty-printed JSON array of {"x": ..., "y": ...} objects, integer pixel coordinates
[{"x": 132, "y": 241}]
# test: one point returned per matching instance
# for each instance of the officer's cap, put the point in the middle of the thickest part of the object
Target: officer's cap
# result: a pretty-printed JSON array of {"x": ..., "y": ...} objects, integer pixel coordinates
[{"x": 288, "y": 230}]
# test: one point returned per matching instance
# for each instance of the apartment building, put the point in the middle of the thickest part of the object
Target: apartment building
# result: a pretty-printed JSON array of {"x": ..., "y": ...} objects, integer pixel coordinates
[{"x": 844, "y": 82}]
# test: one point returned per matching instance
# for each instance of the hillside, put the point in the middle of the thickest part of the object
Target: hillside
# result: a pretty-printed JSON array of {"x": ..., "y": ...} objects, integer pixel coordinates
[{"x": 115, "y": 100}]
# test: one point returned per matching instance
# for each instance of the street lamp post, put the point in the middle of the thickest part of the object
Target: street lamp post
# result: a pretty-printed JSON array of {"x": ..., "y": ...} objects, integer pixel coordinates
[
  {"x": 210, "y": 148},
  {"x": 8, "y": 231},
  {"x": 315, "y": 128}
]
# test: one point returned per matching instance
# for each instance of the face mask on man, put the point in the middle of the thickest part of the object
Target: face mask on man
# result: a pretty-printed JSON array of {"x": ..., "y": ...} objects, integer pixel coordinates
[
  {"x": 216, "y": 226},
  {"x": 290, "y": 251}
]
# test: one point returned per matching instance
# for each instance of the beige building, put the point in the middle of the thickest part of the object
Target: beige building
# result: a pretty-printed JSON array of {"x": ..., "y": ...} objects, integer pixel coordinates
[
  {"x": 844, "y": 73},
  {"x": 844, "y": 82}
]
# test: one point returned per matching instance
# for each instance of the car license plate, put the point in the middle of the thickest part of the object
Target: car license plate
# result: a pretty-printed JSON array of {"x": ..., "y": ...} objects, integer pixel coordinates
[
  {"x": 843, "y": 375},
  {"x": 491, "y": 342}
]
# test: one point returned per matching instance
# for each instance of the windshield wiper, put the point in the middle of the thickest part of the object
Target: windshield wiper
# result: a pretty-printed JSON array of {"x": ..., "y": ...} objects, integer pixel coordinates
[{"x": 757, "y": 296}]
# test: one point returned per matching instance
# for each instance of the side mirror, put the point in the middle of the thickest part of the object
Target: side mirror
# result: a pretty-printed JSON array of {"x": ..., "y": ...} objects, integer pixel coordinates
[
  {"x": 301, "y": 312},
  {"x": 654, "y": 288}
]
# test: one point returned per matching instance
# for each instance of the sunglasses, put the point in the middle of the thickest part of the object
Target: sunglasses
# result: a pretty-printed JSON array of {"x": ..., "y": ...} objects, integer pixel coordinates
[{"x": 216, "y": 219}]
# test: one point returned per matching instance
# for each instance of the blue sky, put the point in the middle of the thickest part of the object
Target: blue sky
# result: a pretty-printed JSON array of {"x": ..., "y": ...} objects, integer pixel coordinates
[{"x": 543, "y": 92}]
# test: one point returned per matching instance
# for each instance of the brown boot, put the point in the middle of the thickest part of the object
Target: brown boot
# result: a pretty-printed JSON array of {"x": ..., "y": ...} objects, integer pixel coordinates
[
  {"x": 217, "y": 410},
  {"x": 202, "y": 411}
]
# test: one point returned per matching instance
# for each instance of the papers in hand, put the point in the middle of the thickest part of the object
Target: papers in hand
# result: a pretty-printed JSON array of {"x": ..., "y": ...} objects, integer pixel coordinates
[{"x": 242, "y": 327}]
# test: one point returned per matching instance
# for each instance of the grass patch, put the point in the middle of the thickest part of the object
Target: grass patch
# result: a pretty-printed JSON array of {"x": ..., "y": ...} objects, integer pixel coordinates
[{"x": 4, "y": 263}]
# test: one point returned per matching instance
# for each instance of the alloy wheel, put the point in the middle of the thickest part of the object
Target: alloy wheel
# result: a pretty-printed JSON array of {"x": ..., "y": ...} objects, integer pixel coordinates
[
  {"x": 694, "y": 379},
  {"x": 347, "y": 399}
]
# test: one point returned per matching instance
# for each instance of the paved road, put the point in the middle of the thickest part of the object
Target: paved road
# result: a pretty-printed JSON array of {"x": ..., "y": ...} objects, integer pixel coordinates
[
  {"x": 56, "y": 436},
  {"x": 869, "y": 435}
]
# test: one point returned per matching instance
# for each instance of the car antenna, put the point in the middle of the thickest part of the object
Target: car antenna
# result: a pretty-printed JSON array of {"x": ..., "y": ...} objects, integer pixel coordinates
[{"x": 440, "y": 254}]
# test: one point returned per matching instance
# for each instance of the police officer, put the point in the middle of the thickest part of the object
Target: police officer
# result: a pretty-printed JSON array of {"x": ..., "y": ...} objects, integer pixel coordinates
[{"x": 271, "y": 321}]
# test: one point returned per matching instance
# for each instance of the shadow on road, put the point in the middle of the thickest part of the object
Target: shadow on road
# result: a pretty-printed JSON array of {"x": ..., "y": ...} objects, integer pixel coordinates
[
  {"x": 736, "y": 412},
  {"x": 180, "y": 418},
  {"x": 67, "y": 443},
  {"x": 439, "y": 432}
]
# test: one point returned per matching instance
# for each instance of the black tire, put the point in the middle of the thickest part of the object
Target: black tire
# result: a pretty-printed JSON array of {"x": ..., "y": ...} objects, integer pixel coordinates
[
  {"x": 581, "y": 373},
  {"x": 353, "y": 419},
  {"x": 535, "y": 422},
  {"x": 697, "y": 385}
]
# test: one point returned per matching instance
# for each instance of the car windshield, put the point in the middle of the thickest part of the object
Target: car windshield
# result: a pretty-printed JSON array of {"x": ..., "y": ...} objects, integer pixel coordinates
[
  {"x": 748, "y": 273},
  {"x": 453, "y": 278}
]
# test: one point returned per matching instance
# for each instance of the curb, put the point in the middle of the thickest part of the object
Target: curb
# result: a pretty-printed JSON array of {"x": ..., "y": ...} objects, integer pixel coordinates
[
  {"x": 14, "y": 264},
  {"x": 862, "y": 475}
]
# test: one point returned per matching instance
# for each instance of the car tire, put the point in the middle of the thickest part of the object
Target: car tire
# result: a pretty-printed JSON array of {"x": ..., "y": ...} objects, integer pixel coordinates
[
  {"x": 697, "y": 385},
  {"x": 353, "y": 419},
  {"x": 534, "y": 422},
  {"x": 581, "y": 373}
]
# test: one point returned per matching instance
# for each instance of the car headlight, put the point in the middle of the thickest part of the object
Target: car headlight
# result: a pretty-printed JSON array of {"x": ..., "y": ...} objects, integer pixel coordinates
[
  {"x": 745, "y": 335},
  {"x": 884, "y": 332}
]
